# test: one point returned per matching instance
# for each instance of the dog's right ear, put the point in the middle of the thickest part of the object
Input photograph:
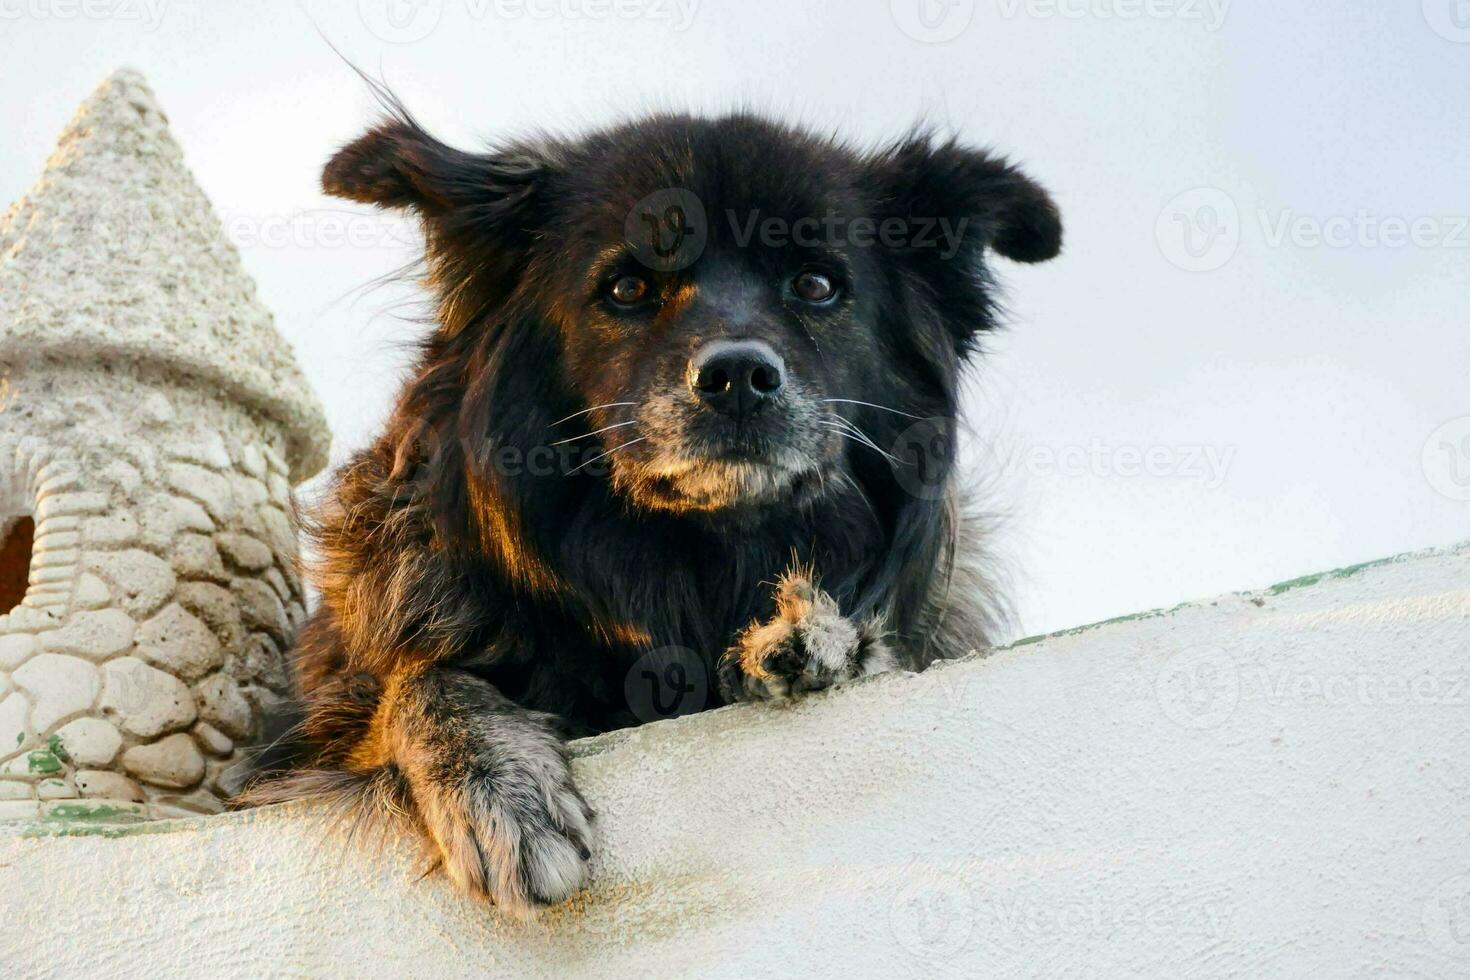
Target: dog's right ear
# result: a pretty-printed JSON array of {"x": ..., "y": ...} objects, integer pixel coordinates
[{"x": 399, "y": 165}]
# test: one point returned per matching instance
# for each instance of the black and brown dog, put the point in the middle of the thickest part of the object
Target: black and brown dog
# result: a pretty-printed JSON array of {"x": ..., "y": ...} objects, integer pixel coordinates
[{"x": 690, "y": 402}]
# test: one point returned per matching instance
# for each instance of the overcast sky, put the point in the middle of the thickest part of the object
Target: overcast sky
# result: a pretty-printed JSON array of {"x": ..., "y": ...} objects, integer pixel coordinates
[{"x": 1251, "y": 362}]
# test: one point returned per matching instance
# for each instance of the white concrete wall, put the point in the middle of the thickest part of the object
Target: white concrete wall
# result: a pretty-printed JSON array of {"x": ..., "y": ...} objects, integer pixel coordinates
[{"x": 1267, "y": 785}]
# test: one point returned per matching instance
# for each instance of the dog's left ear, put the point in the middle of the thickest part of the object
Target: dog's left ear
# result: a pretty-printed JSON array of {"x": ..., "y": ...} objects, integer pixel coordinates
[{"x": 1001, "y": 207}]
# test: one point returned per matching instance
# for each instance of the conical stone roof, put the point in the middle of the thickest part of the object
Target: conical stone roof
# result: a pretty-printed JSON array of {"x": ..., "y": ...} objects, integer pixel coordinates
[{"x": 116, "y": 254}]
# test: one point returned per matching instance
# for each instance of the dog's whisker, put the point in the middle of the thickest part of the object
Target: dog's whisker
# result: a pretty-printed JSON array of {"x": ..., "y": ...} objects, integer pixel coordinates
[
  {"x": 864, "y": 441},
  {"x": 885, "y": 408},
  {"x": 839, "y": 420},
  {"x": 592, "y": 409},
  {"x": 856, "y": 430},
  {"x": 852, "y": 427},
  {"x": 615, "y": 425},
  {"x": 600, "y": 455},
  {"x": 843, "y": 433},
  {"x": 852, "y": 431}
]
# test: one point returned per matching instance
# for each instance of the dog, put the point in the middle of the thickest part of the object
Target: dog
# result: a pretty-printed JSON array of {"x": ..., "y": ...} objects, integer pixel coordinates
[{"x": 682, "y": 434}]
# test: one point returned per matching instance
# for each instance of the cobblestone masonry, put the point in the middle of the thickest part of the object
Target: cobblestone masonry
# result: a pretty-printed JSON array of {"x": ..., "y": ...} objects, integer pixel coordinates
[{"x": 152, "y": 424}]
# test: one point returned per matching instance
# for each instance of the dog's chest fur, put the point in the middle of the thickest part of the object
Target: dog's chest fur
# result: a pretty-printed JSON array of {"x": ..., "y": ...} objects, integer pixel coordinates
[{"x": 681, "y": 587}]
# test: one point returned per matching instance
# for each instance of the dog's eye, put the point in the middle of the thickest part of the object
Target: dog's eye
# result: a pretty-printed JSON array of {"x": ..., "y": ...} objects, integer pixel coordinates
[
  {"x": 628, "y": 291},
  {"x": 814, "y": 287}
]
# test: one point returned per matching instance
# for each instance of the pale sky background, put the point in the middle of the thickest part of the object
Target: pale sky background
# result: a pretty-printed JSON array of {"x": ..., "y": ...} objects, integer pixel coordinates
[{"x": 1168, "y": 418}]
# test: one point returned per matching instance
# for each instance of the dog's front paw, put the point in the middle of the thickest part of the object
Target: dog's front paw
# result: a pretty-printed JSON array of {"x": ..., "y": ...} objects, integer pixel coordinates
[
  {"x": 508, "y": 822},
  {"x": 809, "y": 645}
]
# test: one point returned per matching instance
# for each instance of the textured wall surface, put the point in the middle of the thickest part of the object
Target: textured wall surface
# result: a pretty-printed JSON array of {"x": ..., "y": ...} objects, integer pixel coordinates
[{"x": 1272, "y": 784}]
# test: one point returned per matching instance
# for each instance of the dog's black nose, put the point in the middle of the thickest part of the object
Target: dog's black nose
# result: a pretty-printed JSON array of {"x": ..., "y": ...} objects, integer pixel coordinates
[{"x": 736, "y": 376}]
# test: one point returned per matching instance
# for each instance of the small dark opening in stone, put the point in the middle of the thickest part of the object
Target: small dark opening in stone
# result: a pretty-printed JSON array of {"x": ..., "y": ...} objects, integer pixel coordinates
[{"x": 15, "y": 562}]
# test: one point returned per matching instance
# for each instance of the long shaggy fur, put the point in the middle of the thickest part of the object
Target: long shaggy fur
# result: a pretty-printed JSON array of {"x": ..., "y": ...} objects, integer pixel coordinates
[{"x": 495, "y": 565}]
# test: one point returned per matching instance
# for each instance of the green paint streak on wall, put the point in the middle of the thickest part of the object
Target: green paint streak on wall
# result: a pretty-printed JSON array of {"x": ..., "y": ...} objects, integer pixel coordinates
[
  {"x": 1355, "y": 569},
  {"x": 1306, "y": 581},
  {"x": 1345, "y": 572},
  {"x": 91, "y": 812},
  {"x": 108, "y": 830},
  {"x": 1295, "y": 583},
  {"x": 43, "y": 761},
  {"x": 1076, "y": 630},
  {"x": 57, "y": 749},
  {"x": 88, "y": 820}
]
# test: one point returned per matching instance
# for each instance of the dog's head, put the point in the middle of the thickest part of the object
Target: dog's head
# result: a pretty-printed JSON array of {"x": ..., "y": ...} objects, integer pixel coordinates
[{"x": 714, "y": 313}]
